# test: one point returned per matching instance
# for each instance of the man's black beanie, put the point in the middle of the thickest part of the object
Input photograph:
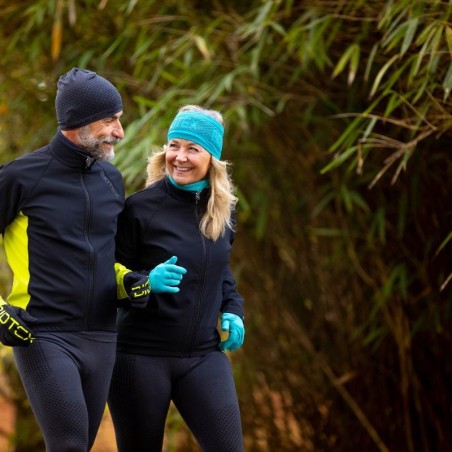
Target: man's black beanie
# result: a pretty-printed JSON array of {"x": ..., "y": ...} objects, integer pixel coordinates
[{"x": 84, "y": 97}]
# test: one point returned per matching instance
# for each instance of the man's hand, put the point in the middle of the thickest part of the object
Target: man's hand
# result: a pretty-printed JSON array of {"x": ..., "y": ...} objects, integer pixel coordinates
[
  {"x": 234, "y": 324},
  {"x": 138, "y": 290},
  {"x": 13, "y": 329}
]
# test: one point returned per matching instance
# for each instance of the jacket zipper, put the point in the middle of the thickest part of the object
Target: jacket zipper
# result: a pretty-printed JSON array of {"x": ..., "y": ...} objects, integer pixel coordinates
[
  {"x": 199, "y": 292},
  {"x": 91, "y": 259}
]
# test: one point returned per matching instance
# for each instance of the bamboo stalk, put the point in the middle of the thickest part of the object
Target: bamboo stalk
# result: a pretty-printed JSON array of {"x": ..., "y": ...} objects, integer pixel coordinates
[{"x": 335, "y": 381}]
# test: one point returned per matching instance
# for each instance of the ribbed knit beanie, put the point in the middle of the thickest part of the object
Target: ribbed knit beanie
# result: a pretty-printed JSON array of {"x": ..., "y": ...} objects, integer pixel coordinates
[
  {"x": 200, "y": 128},
  {"x": 84, "y": 97}
]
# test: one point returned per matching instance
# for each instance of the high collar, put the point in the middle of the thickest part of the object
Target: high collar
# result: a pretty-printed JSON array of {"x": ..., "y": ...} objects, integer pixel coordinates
[
  {"x": 187, "y": 196},
  {"x": 69, "y": 154}
]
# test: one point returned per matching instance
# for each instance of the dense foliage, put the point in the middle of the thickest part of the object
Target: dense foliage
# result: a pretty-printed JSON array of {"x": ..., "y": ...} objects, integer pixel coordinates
[{"x": 338, "y": 126}]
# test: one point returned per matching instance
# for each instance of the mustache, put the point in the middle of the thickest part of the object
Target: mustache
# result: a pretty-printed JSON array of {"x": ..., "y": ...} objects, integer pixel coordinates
[{"x": 111, "y": 140}]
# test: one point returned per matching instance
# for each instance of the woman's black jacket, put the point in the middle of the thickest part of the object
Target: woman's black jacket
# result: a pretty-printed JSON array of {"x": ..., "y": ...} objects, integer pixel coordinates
[{"x": 157, "y": 223}]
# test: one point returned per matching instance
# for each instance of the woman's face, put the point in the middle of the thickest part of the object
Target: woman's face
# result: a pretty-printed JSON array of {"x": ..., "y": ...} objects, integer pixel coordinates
[{"x": 186, "y": 162}]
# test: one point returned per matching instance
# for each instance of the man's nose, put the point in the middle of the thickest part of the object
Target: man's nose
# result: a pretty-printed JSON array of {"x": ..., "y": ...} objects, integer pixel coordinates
[{"x": 118, "y": 131}]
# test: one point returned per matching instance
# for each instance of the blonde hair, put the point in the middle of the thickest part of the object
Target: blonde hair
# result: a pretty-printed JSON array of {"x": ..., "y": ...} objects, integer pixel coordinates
[{"x": 222, "y": 200}]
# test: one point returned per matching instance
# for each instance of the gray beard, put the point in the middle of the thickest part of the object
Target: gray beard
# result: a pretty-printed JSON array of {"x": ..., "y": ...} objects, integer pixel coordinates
[{"x": 93, "y": 146}]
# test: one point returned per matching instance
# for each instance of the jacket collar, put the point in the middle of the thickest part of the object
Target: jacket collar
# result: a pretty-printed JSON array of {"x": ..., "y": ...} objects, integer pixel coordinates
[
  {"x": 69, "y": 154},
  {"x": 187, "y": 196}
]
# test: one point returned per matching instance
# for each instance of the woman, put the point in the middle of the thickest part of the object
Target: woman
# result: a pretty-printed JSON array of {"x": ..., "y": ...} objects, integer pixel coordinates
[{"x": 170, "y": 350}]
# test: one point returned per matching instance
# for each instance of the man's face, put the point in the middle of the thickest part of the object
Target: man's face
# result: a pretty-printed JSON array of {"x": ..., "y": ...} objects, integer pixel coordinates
[{"x": 98, "y": 138}]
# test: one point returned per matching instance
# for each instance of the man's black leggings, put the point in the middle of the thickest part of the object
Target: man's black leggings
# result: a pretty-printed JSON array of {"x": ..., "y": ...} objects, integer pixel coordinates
[
  {"x": 66, "y": 378},
  {"x": 202, "y": 389}
]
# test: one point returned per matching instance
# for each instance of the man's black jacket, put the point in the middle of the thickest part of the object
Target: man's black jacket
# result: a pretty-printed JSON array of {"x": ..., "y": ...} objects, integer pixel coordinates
[{"x": 58, "y": 216}]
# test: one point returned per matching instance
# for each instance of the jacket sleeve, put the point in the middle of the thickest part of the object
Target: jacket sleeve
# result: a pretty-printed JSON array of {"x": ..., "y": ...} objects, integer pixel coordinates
[
  {"x": 11, "y": 194},
  {"x": 128, "y": 239},
  {"x": 120, "y": 272},
  {"x": 10, "y": 198},
  {"x": 232, "y": 300}
]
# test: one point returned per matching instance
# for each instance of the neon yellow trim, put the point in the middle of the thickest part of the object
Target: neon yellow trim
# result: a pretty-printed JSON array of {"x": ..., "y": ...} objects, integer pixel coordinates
[
  {"x": 120, "y": 271},
  {"x": 15, "y": 241}
]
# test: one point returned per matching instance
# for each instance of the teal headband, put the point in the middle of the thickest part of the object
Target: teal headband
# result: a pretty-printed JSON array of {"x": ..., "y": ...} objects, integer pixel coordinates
[{"x": 199, "y": 128}]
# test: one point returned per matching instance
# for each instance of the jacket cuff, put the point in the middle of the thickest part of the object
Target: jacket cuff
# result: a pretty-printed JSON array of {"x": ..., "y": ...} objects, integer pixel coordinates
[{"x": 121, "y": 271}]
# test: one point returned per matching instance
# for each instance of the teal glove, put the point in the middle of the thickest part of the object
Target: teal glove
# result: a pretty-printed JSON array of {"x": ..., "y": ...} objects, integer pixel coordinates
[
  {"x": 166, "y": 276},
  {"x": 234, "y": 324}
]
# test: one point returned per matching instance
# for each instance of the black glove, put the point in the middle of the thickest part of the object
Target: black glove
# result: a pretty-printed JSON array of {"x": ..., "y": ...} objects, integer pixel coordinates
[
  {"x": 137, "y": 288},
  {"x": 13, "y": 329}
]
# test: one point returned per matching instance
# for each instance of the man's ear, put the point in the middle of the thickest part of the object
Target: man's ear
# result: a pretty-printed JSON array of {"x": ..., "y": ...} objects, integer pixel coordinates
[{"x": 72, "y": 135}]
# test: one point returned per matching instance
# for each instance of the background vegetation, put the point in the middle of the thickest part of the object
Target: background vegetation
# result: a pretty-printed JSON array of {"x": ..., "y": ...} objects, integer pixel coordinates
[{"x": 339, "y": 129}]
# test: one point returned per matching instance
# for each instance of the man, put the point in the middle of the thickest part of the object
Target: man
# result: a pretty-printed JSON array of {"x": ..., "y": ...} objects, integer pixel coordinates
[{"x": 58, "y": 214}]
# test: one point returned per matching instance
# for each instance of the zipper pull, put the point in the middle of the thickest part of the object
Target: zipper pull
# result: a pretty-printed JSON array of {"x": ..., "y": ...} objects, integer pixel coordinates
[
  {"x": 198, "y": 196},
  {"x": 88, "y": 162}
]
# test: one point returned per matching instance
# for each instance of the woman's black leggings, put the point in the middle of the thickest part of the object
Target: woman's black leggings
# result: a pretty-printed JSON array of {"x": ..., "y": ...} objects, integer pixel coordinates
[
  {"x": 66, "y": 377},
  {"x": 202, "y": 389}
]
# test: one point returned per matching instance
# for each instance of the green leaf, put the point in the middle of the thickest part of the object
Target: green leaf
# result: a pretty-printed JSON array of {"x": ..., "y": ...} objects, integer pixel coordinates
[
  {"x": 448, "y": 32},
  {"x": 370, "y": 60},
  {"x": 328, "y": 232},
  {"x": 322, "y": 204},
  {"x": 447, "y": 83},
  {"x": 393, "y": 38},
  {"x": 409, "y": 35},
  {"x": 357, "y": 199},
  {"x": 395, "y": 100},
  {"x": 378, "y": 228},
  {"x": 337, "y": 161},
  {"x": 424, "y": 38},
  {"x": 381, "y": 74},
  {"x": 351, "y": 57},
  {"x": 345, "y": 198},
  {"x": 444, "y": 243}
]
